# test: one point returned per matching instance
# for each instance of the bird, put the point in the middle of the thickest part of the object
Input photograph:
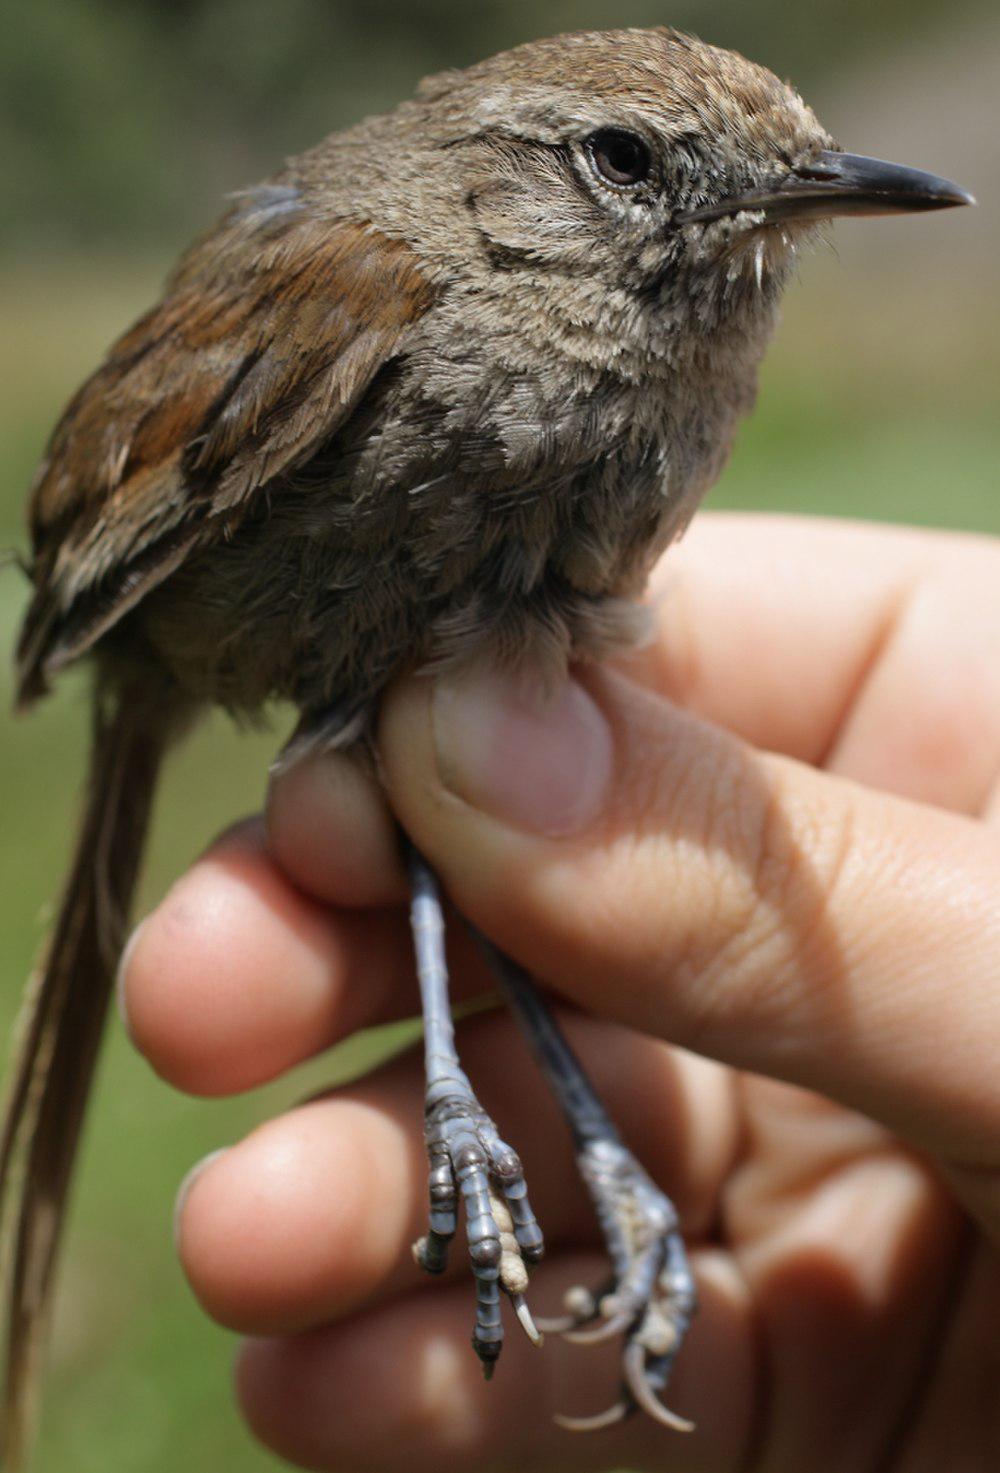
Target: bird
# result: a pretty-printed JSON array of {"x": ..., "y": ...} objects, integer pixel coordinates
[{"x": 436, "y": 394}]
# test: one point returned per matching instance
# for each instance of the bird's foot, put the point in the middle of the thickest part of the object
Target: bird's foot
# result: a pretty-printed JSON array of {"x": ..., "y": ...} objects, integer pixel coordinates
[
  {"x": 650, "y": 1298},
  {"x": 471, "y": 1165}
]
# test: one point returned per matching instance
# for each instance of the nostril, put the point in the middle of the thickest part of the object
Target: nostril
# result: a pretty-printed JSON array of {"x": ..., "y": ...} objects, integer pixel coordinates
[{"x": 818, "y": 171}]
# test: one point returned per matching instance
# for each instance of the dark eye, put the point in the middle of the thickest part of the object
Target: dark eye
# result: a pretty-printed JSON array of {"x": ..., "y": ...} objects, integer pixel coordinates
[{"x": 619, "y": 157}]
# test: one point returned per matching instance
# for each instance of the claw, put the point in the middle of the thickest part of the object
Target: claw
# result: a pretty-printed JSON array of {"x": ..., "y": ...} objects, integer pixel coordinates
[
  {"x": 581, "y": 1308},
  {"x": 634, "y": 1367},
  {"x": 597, "y": 1423},
  {"x": 606, "y": 1330},
  {"x": 557, "y": 1324},
  {"x": 524, "y": 1319}
]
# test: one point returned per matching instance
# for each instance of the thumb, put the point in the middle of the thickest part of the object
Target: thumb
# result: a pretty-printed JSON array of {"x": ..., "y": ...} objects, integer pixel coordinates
[
  {"x": 608, "y": 841},
  {"x": 652, "y": 868}
]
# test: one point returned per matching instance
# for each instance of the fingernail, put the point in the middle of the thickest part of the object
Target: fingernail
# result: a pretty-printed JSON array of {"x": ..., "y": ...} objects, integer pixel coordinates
[
  {"x": 540, "y": 762},
  {"x": 184, "y": 1190},
  {"x": 120, "y": 975}
]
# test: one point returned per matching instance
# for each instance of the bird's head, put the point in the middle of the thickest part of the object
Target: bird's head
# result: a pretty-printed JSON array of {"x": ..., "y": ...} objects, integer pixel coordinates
[{"x": 648, "y": 162}]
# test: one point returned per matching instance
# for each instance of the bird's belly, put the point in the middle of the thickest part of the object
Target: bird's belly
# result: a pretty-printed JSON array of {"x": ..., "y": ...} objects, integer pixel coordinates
[{"x": 318, "y": 605}]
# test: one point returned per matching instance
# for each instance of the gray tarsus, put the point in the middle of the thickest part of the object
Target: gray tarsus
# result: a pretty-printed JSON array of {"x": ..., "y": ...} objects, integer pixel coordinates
[
  {"x": 469, "y": 1163},
  {"x": 651, "y": 1297}
]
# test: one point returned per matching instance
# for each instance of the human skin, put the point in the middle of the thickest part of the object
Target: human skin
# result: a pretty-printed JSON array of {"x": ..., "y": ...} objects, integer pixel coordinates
[{"x": 764, "y": 856}]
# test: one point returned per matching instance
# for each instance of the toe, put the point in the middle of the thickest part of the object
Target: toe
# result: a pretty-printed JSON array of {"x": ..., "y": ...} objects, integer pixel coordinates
[{"x": 315, "y": 1212}]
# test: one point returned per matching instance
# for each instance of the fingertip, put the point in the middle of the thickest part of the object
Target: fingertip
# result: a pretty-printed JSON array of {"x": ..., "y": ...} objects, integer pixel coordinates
[
  {"x": 538, "y": 760},
  {"x": 330, "y": 830},
  {"x": 122, "y": 975},
  {"x": 238, "y": 976},
  {"x": 291, "y": 1226},
  {"x": 184, "y": 1190}
]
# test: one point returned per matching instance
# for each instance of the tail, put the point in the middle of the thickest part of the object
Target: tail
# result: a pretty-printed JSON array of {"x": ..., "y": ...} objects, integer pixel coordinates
[{"x": 61, "y": 1030}]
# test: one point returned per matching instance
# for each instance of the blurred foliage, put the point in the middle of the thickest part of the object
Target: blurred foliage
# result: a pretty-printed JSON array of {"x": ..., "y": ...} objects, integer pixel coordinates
[{"x": 120, "y": 126}]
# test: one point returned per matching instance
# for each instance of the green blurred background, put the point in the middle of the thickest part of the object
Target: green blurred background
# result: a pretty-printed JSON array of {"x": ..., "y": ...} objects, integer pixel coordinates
[{"x": 121, "y": 126}]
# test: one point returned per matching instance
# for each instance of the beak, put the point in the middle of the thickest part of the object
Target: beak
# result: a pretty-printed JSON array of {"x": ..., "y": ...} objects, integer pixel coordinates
[{"x": 841, "y": 184}]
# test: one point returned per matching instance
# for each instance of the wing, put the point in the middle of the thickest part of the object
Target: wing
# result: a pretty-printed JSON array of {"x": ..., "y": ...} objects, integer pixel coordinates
[{"x": 270, "y": 331}]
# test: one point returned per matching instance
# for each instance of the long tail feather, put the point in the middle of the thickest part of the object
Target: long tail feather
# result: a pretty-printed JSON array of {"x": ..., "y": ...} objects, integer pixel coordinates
[{"x": 61, "y": 1030}]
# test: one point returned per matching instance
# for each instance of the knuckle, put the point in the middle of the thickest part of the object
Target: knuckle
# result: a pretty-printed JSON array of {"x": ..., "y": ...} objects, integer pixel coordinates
[{"x": 468, "y": 1158}]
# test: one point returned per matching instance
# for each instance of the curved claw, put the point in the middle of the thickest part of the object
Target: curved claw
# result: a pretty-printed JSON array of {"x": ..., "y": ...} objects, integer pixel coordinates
[
  {"x": 597, "y": 1423},
  {"x": 606, "y": 1330},
  {"x": 638, "y": 1383},
  {"x": 557, "y": 1324},
  {"x": 581, "y": 1307},
  {"x": 525, "y": 1320}
]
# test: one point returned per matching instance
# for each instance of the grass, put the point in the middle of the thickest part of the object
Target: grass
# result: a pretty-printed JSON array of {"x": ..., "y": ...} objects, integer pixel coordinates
[{"x": 871, "y": 406}]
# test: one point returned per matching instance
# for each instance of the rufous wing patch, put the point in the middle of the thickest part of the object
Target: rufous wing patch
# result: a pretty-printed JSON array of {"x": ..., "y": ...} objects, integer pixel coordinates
[{"x": 269, "y": 333}]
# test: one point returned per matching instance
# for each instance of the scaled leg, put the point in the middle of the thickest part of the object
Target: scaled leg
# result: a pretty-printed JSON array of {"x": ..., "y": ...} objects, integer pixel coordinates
[
  {"x": 469, "y": 1164},
  {"x": 650, "y": 1298}
]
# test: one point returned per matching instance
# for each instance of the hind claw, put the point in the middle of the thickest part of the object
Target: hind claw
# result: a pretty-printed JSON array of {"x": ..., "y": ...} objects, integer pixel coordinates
[
  {"x": 641, "y": 1388},
  {"x": 606, "y": 1330},
  {"x": 556, "y": 1324},
  {"x": 597, "y": 1422},
  {"x": 652, "y": 1297}
]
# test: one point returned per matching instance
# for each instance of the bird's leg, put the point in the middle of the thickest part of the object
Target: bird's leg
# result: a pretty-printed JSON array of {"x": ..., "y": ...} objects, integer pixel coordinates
[
  {"x": 650, "y": 1297},
  {"x": 469, "y": 1163}
]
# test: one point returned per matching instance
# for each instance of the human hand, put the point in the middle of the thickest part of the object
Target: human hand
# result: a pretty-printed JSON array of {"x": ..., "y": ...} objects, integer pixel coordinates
[{"x": 717, "y": 880}]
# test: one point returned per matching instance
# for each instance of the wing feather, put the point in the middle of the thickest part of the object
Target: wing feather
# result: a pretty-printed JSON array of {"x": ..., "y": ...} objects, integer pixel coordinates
[{"x": 269, "y": 333}]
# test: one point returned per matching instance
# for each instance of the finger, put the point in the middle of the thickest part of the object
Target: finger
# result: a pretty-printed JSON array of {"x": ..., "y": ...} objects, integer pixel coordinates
[
  {"x": 776, "y": 918},
  {"x": 314, "y": 1214},
  {"x": 399, "y": 1387},
  {"x": 873, "y": 650},
  {"x": 953, "y": 1421},
  {"x": 238, "y": 975},
  {"x": 850, "y": 1247},
  {"x": 403, "y": 1378},
  {"x": 329, "y": 828}
]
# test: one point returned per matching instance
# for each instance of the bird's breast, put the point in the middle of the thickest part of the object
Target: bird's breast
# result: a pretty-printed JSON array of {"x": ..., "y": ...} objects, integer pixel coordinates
[{"x": 482, "y": 503}]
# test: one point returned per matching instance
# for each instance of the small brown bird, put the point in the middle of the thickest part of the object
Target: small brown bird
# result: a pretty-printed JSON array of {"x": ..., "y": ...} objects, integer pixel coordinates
[{"x": 438, "y": 392}]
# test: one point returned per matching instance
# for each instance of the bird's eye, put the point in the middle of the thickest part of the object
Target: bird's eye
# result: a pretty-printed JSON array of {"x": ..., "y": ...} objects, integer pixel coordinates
[{"x": 619, "y": 157}]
